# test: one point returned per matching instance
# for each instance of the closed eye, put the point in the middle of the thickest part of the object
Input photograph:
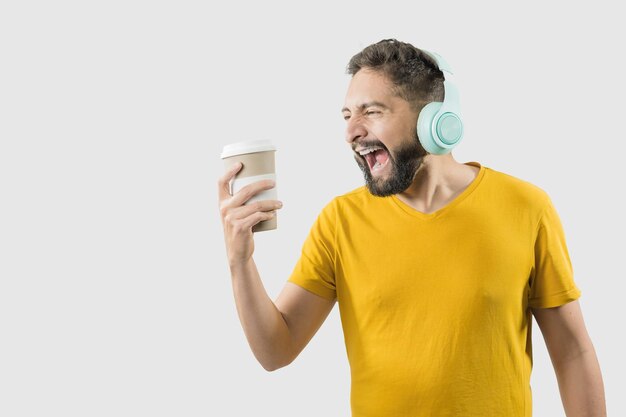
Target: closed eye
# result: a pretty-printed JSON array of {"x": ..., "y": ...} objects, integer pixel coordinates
[{"x": 367, "y": 113}]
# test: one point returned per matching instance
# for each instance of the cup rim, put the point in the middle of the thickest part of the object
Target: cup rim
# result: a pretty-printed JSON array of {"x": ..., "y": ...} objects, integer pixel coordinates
[{"x": 248, "y": 146}]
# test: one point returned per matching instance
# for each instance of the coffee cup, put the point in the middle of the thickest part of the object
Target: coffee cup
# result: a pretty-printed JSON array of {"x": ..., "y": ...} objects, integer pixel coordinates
[{"x": 258, "y": 158}]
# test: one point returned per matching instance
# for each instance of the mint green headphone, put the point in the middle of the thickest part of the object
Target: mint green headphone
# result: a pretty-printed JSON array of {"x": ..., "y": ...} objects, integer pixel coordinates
[{"x": 439, "y": 125}]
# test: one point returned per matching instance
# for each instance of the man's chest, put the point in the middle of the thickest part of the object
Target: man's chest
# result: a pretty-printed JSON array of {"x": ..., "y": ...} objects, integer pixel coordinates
[{"x": 459, "y": 263}]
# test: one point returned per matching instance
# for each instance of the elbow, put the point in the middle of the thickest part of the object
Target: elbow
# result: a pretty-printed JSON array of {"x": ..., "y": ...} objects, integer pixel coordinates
[
  {"x": 280, "y": 354},
  {"x": 271, "y": 368},
  {"x": 276, "y": 365}
]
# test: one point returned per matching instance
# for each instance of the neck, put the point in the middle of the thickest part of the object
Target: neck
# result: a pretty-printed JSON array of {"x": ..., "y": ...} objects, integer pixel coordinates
[{"x": 438, "y": 180}]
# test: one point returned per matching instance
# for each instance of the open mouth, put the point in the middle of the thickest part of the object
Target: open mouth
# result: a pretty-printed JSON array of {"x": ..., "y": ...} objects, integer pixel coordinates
[{"x": 376, "y": 158}]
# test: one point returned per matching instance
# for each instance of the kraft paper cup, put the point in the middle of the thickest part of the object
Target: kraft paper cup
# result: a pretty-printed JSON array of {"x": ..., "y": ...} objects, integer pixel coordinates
[{"x": 258, "y": 158}]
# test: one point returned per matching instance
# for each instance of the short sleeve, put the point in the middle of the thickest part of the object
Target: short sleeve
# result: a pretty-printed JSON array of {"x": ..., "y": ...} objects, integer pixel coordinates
[
  {"x": 315, "y": 270},
  {"x": 552, "y": 278}
]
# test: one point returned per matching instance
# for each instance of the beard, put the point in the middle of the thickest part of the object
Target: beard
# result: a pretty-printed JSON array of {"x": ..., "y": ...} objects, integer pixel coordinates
[{"x": 403, "y": 166}]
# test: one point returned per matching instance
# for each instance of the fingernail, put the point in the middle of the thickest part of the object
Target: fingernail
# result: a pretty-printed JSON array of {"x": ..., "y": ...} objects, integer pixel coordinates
[{"x": 280, "y": 204}]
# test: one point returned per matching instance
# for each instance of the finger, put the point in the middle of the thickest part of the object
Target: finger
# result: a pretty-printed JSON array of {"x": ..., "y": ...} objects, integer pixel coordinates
[
  {"x": 255, "y": 218},
  {"x": 244, "y": 211},
  {"x": 250, "y": 190},
  {"x": 223, "y": 183}
]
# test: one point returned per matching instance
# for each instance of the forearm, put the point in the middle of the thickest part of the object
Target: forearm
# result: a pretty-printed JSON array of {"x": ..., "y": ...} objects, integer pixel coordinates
[
  {"x": 263, "y": 324},
  {"x": 581, "y": 386}
]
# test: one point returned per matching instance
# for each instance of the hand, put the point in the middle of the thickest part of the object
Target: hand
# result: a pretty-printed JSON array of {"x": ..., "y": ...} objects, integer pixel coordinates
[{"x": 238, "y": 219}]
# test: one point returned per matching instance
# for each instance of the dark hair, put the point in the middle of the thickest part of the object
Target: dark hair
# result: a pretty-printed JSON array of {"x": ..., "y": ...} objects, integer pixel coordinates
[{"x": 415, "y": 75}]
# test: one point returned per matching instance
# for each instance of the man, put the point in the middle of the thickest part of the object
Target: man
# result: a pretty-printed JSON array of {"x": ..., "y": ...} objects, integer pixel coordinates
[{"x": 436, "y": 266}]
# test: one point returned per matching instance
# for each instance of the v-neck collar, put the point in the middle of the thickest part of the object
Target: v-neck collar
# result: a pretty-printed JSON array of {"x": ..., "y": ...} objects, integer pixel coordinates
[{"x": 437, "y": 213}]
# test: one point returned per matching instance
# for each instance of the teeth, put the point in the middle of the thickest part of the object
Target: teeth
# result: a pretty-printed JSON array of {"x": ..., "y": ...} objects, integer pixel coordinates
[
  {"x": 369, "y": 150},
  {"x": 376, "y": 166}
]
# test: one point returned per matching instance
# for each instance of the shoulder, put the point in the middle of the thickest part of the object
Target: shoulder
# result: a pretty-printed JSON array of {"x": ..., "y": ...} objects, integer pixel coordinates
[
  {"x": 356, "y": 201},
  {"x": 348, "y": 204},
  {"x": 518, "y": 191},
  {"x": 355, "y": 196}
]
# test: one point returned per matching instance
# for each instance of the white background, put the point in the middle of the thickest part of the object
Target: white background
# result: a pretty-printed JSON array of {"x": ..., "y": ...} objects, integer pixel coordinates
[{"x": 115, "y": 294}]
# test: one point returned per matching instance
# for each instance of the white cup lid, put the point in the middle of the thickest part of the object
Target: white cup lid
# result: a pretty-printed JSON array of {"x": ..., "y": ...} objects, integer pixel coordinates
[{"x": 249, "y": 146}]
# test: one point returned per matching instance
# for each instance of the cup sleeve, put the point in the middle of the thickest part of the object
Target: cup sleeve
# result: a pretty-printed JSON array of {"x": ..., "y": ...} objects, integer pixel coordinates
[
  {"x": 315, "y": 270},
  {"x": 552, "y": 277}
]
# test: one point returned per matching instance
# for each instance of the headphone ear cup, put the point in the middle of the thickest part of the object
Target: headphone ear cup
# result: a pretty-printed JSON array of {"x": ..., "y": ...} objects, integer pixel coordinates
[
  {"x": 425, "y": 128},
  {"x": 449, "y": 130},
  {"x": 447, "y": 126}
]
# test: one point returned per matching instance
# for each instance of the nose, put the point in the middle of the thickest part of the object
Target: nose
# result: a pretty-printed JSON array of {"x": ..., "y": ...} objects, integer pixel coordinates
[{"x": 354, "y": 130}]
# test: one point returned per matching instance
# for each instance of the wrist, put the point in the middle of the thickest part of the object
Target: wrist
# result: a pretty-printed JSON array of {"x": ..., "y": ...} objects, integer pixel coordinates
[{"x": 239, "y": 265}]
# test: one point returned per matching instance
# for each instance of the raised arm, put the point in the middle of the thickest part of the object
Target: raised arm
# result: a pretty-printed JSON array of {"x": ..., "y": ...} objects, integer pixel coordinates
[
  {"x": 276, "y": 333},
  {"x": 573, "y": 358}
]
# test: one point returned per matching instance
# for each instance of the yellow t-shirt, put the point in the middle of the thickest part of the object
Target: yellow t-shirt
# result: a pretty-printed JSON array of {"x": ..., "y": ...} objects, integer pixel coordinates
[{"x": 435, "y": 307}]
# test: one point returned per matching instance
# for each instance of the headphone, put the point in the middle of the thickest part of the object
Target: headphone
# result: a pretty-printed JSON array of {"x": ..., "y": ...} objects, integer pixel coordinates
[{"x": 439, "y": 124}]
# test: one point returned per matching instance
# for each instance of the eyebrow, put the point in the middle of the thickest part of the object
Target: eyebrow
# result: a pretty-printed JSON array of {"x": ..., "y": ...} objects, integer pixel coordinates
[{"x": 368, "y": 104}]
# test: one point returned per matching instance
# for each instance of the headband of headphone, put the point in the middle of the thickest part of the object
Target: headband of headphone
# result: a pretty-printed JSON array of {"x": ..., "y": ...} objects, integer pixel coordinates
[{"x": 439, "y": 124}]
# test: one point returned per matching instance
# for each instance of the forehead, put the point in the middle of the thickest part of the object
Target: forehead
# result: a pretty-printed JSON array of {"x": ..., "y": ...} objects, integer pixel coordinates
[{"x": 369, "y": 86}]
